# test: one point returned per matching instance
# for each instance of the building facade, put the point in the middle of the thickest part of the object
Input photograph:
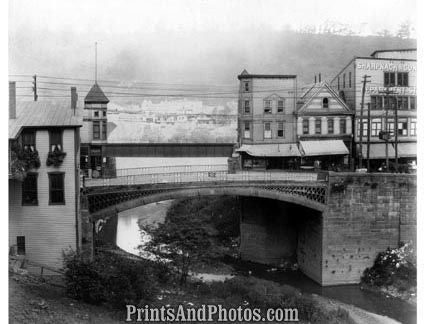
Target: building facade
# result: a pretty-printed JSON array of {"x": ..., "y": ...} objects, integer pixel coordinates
[
  {"x": 266, "y": 121},
  {"x": 44, "y": 155},
  {"x": 324, "y": 131},
  {"x": 392, "y": 71}
]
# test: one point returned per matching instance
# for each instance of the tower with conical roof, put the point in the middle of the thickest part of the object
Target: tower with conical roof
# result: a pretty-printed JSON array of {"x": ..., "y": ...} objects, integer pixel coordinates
[{"x": 95, "y": 132}]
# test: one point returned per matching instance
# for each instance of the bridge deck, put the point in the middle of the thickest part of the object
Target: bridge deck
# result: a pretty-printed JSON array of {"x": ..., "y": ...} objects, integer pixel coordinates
[{"x": 203, "y": 176}]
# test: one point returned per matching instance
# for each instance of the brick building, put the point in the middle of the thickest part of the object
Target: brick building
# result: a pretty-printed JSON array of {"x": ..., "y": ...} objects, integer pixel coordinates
[{"x": 393, "y": 70}]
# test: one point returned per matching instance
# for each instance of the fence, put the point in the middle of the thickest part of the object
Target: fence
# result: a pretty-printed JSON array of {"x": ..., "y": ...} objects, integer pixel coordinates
[
  {"x": 171, "y": 169},
  {"x": 201, "y": 176}
]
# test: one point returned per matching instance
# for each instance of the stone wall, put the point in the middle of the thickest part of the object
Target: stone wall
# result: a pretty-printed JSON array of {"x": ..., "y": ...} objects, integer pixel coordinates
[{"x": 366, "y": 214}]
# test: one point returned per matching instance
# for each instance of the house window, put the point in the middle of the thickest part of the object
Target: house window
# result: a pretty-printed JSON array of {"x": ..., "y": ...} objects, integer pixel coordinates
[
  {"x": 402, "y": 79},
  {"x": 364, "y": 127},
  {"x": 349, "y": 79},
  {"x": 280, "y": 105},
  {"x": 318, "y": 126},
  {"x": 96, "y": 113},
  {"x": 390, "y": 126},
  {"x": 305, "y": 126},
  {"x": 267, "y": 130},
  {"x": 389, "y": 79},
  {"x": 413, "y": 127},
  {"x": 29, "y": 190},
  {"x": 342, "y": 126},
  {"x": 104, "y": 113},
  {"x": 402, "y": 127},
  {"x": 56, "y": 188},
  {"x": 55, "y": 138},
  {"x": 28, "y": 140},
  {"x": 247, "y": 130},
  {"x": 343, "y": 81},
  {"x": 267, "y": 106},
  {"x": 104, "y": 130},
  {"x": 246, "y": 85},
  {"x": 280, "y": 129},
  {"x": 412, "y": 103},
  {"x": 96, "y": 130},
  {"x": 375, "y": 102},
  {"x": 402, "y": 103},
  {"x": 390, "y": 102},
  {"x": 20, "y": 245},
  {"x": 376, "y": 127},
  {"x": 247, "y": 108},
  {"x": 325, "y": 103},
  {"x": 330, "y": 126}
]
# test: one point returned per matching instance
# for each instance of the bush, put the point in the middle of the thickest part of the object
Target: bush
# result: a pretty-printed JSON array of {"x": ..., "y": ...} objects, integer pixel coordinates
[
  {"x": 110, "y": 278},
  {"x": 394, "y": 267},
  {"x": 267, "y": 294}
]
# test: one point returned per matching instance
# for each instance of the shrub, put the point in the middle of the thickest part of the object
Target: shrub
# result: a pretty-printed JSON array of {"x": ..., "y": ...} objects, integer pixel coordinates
[
  {"x": 110, "y": 278},
  {"x": 393, "y": 267}
]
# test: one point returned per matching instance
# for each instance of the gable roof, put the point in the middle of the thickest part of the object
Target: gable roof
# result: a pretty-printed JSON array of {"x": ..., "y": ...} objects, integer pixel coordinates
[
  {"x": 96, "y": 95},
  {"x": 315, "y": 90},
  {"x": 40, "y": 114}
]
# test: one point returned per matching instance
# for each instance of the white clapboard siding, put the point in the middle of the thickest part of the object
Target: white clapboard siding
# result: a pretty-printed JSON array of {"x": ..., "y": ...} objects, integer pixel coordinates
[{"x": 48, "y": 230}]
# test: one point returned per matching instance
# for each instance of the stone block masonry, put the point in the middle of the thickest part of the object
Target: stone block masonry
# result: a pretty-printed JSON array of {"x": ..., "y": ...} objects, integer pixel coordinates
[{"x": 366, "y": 214}]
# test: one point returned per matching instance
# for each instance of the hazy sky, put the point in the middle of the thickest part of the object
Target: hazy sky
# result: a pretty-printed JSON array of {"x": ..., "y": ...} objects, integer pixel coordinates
[
  {"x": 158, "y": 38},
  {"x": 100, "y": 18}
]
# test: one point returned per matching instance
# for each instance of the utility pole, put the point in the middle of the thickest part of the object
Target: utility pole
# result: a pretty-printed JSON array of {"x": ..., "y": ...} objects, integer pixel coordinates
[
  {"x": 34, "y": 87},
  {"x": 387, "y": 93},
  {"x": 368, "y": 138},
  {"x": 365, "y": 80},
  {"x": 396, "y": 134},
  {"x": 95, "y": 62}
]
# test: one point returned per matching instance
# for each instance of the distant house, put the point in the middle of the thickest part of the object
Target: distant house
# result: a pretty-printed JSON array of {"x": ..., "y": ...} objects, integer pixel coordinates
[
  {"x": 324, "y": 127},
  {"x": 44, "y": 143}
]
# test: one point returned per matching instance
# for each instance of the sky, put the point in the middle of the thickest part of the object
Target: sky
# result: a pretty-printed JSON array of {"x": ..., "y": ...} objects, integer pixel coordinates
[{"x": 99, "y": 19}]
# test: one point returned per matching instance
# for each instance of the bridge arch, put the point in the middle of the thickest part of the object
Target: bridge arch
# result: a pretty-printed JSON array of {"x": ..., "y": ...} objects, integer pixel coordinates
[{"x": 307, "y": 197}]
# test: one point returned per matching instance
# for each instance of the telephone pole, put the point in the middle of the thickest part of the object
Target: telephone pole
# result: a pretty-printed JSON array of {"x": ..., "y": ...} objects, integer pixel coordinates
[
  {"x": 34, "y": 87},
  {"x": 368, "y": 138},
  {"x": 387, "y": 93},
  {"x": 360, "y": 155}
]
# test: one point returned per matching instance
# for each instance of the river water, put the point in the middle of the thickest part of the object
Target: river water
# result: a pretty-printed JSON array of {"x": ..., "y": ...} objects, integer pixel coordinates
[{"x": 129, "y": 237}]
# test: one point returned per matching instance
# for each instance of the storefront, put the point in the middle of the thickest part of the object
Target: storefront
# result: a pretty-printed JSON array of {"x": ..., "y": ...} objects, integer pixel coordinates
[
  {"x": 270, "y": 156},
  {"x": 324, "y": 155},
  {"x": 377, "y": 155}
]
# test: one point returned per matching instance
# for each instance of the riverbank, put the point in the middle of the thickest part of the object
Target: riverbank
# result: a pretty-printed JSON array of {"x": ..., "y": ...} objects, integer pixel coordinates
[{"x": 34, "y": 301}]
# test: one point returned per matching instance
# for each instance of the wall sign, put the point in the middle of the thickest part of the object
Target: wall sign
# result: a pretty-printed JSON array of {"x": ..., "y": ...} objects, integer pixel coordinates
[{"x": 387, "y": 66}]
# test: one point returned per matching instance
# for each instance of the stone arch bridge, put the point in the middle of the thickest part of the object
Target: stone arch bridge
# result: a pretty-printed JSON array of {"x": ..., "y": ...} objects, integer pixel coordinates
[{"x": 355, "y": 215}]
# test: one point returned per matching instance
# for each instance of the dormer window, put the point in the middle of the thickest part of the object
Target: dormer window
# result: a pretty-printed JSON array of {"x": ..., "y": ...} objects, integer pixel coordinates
[
  {"x": 325, "y": 103},
  {"x": 28, "y": 140},
  {"x": 55, "y": 137}
]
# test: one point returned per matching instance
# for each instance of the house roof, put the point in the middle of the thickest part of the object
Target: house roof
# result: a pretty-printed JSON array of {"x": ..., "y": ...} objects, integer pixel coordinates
[
  {"x": 40, "y": 114},
  {"x": 96, "y": 95},
  {"x": 246, "y": 75},
  {"x": 315, "y": 90},
  {"x": 394, "y": 50}
]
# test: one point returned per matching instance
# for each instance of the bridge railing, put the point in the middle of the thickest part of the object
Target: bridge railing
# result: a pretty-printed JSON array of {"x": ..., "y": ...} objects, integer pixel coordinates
[
  {"x": 171, "y": 169},
  {"x": 202, "y": 176}
]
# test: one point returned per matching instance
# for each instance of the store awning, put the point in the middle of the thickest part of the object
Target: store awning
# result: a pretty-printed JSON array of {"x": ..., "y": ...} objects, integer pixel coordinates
[
  {"x": 323, "y": 147},
  {"x": 407, "y": 150},
  {"x": 377, "y": 151},
  {"x": 271, "y": 150}
]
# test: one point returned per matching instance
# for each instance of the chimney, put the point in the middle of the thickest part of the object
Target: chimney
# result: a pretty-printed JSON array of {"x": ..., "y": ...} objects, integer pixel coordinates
[
  {"x": 74, "y": 98},
  {"x": 12, "y": 100},
  {"x": 315, "y": 80},
  {"x": 320, "y": 77}
]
